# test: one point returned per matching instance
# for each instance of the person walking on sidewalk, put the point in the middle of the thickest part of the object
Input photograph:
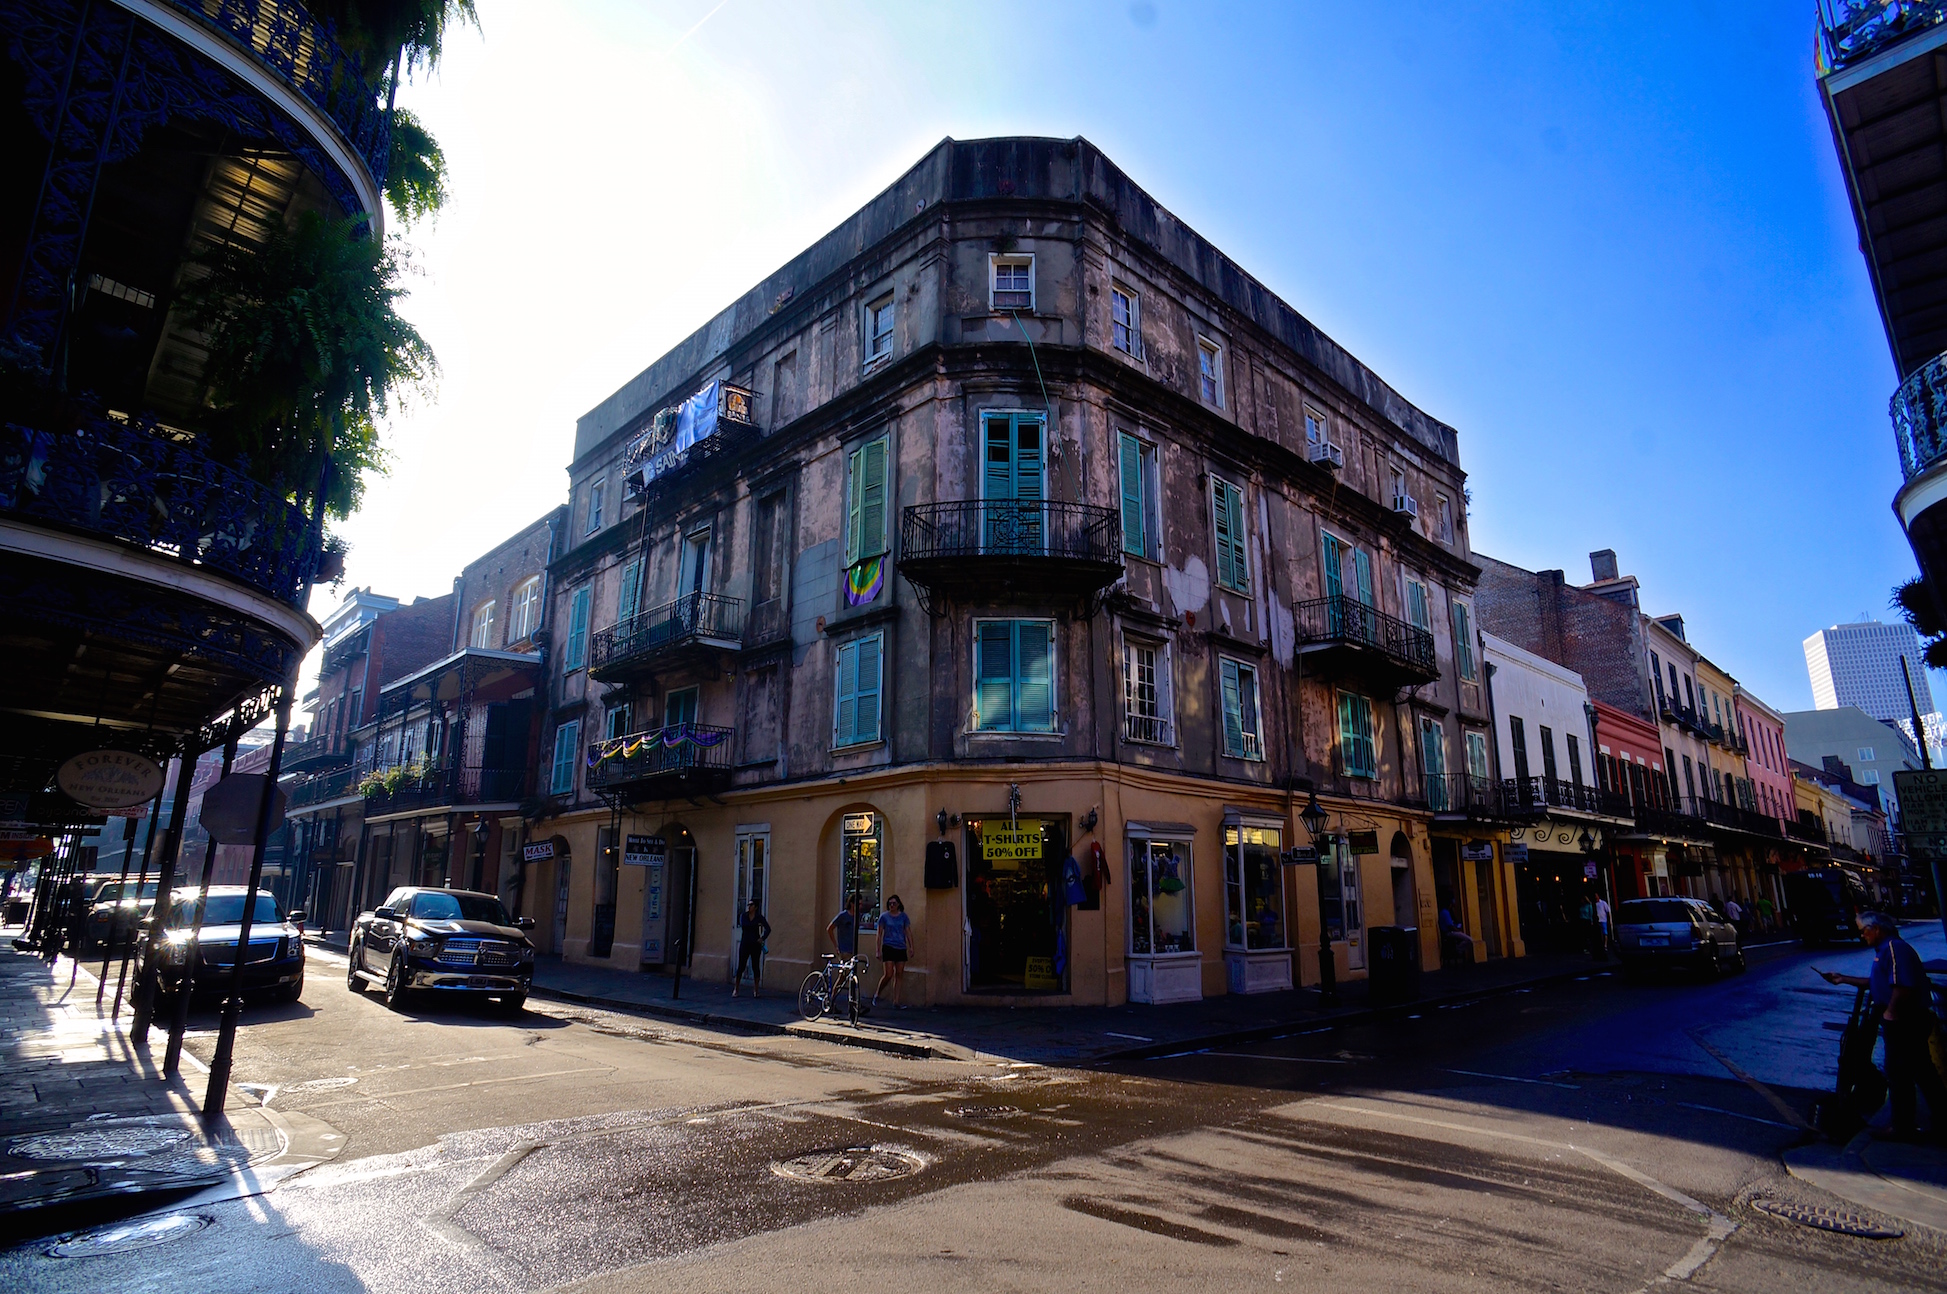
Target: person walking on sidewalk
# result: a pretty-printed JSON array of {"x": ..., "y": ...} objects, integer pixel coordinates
[
  {"x": 1902, "y": 998},
  {"x": 895, "y": 930},
  {"x": 1605, "y": 928},
  {"x": 753, "y": 930}
]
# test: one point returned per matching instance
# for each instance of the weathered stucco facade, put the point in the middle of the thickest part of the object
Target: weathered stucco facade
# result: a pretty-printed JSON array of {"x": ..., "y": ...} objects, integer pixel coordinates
[{"x": 1023, "y": 504}]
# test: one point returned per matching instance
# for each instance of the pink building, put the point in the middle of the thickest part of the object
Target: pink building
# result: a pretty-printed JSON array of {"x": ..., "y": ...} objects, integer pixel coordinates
[{"x": 1763, "y": 730}]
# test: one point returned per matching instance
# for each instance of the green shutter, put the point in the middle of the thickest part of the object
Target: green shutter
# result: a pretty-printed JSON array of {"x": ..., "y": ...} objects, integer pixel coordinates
[
  {"x": 577, "y": 650},
  {"x": 1463, "y": 641},
  {"x": 1233, "y": 710},
  {"x": 994, "y": 667},
  {"x": 1416, "y": 607},
  {"x": 997, "y": 481},
  {"x": 1227, "y": 514},
  {"x": 845, "y": 712},
  {"x": 567, "y": 740},
  {"x": 1334, "y": 575},
  {"x": 627, "y": 598},
  {"x": 869, "y": 658},
  {"x": 1027, "y": 459},
  {"x": 1362, "y": 563},
  {"x": 1133, "y": 538},
  {"x": 1252, "y": 747},
  {"x": 1034, "y": 704},
  {"x": 873, "y": 460},
  {"x": 854, "y": 484}
]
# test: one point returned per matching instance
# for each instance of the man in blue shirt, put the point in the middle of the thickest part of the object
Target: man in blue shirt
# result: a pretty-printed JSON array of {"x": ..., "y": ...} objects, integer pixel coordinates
[{"x": 1902, "y": 998}]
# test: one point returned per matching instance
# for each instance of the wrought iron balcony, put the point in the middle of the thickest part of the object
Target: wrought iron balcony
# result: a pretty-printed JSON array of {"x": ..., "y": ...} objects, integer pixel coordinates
[
  {"x": 1669, "y": 822},
  {"x": 135, "y": 484},
  {"x": 1809, "y": 831},
  {"x": 323, "y": 788},
  {"x": 1009, "y": 549},
  {"x": 302, "y": 51},
  {"x": 316, "y": 754},
  {"x": 1851, "y": 30},
  {"x": 1919, "y": 410},
  {"x": 658, "y": 638},
  {"x": 442, "y": 787},
  {"x": 1731, "y": 817},
  {"x": 1535, "y": 796},
  {"x": 1479, "y": 798},
  {"x": 1345, "y": 636},
  {"x": 677, "y": 761}
]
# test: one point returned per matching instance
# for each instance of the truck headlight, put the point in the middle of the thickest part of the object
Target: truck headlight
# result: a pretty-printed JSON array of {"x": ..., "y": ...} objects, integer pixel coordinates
[
  {"x": 175, "y": 950},
  {"x": 423, "y": 947}
]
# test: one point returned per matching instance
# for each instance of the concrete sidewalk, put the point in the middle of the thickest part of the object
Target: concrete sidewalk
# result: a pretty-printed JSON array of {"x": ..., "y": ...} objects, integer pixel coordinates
[
  {"x": 1053, "y": 1035},
  {"x": 90, "y": 1128}
]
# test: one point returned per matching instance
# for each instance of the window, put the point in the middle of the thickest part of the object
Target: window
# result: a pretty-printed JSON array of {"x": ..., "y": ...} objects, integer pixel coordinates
[
  {"x": 1243, "y": 724},
  {"x": 628, "y": 593},
  {"x": 1398, "y": 478},
  {"x": 1869, "y": 777},
  {"x": 1141, "y": 518},
  {"x": 524, "y": 615},
  {"x": 594, "y": 507},
  {"x": 1146, "y": 706},
  {"x": 1689, "y": 695},
  {"x": 1014, "y": 675},
  {"x": 878, "y": 330},
  {"x": 1865, "y": 754},
  {"x": 1013, "y": 285},
  {"x": 574, "y": 652},
  {"x": 1227, "y": 519},
  {"x": 1348, "y": 574},
  {"x": 1433, "y": 765},
  {"x": 616, "y": 722},
  {"x": 865, "y": 500},
  {"x": 1162, "y": 918},
  {"x": 1443, "y": 507},
  {"x": 1656, "y": 676},
  {"x": 753, "y": 856},
  {"x": 693, "y": 564},
  {"x": 1689, "y": 778},
  {"x": 1125, "y": 321},
  {"x": 1518, "y": 743},
  {"x": 1574, "y": 761},
  {"x": 1358, "y": 755},
  {"x": 856, "y": 696},
  {"x": 483, "y": 625},
  {"x": 861, "y": 865},
  {"x": 1548, "y": 769},
  {"x": 1253, "y": 887},
  {"x": 1210, "y": 372},
  {"x": 1477, "y": 756},
  {"x": 1463, "y": 641},
  {"x": 567, "y": 744},
  {"x": 1317, "y": 430},
  {"x": 1419, "y": 612}
]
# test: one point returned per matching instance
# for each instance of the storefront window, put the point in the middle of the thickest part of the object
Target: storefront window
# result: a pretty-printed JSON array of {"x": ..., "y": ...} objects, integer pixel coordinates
[
  {"x": 1253, "y": 888},
  {"x": 1161, "y": 917},
  {"x": 859, "y": 869},
  {"x": 1017, "y": 904}
]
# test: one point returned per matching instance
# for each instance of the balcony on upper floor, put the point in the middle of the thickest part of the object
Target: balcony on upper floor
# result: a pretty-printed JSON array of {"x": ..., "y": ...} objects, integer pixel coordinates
[
  {"x": 327, "y": 750},
  {"x": 1668, "y": 823},
  {"x": 1009, "y": 550},
  {"x": 679, "y": 761},
  {"x": 416, "y": 788},
  {"x": 1919, "y": 411},
  {"x": 1806, "y": 830},
  {"x": 1853, "y": 30},
  {"x": 680, "y": 632},
  {"x": 713, "y": 425},
  {"x": 1343, "y": 637},
  {"x": 1465, "y": 796},
  {"x": 1539, "y": 797},
  {"x": 325, "y": 787}
]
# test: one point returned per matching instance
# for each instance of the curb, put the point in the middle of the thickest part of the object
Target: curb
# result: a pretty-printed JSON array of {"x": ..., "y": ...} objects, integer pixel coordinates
[{"x": 893, "y": 1046}]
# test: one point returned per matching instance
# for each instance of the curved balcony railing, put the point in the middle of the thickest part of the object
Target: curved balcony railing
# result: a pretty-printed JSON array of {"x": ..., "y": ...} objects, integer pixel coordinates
[
  {"x": 1345, "y": 620},
  {"x": 1851, "y": 30},
  {"x": 641, "y": 639},
  {"x": 1919, "y": 410},
  {"x": 130, "y": 482},
  {"x": 303, "y": 51},
  {"x": 1011, "y": 528}
]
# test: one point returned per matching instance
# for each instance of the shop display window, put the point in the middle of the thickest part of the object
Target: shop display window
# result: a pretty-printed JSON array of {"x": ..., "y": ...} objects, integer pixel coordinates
[
  {"x": 859, "y": 865},
  {"x": 1162, "y": 914},
  {"x": 1253, "y": 888}
]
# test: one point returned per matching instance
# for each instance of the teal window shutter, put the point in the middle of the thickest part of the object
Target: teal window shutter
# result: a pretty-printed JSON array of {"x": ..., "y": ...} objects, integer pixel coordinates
[
  {"x": 1362, "y": 562},
  {"x": 576, "y": 652},
  {"x": 1133, "y": 512},
  {"x": 628, "y": 597},
  {"x": 873, "y": 462},
  {"x": 1233, "y": 710},
  {"x": 1334, "y": 571},
  {"x": 1027, "y": 458},
  {"x": 994, "y": 684},
  {"x": 1355, "y": 736},
  {"x": 567, "y": 743},
  {"x": 1034, "y": 705},
  {"x": 869, "y": 660},
  {"x": 997, "y": 472},
  {"x": 1463, "y": 642},
  {"x": 1221, "y": 520},
  {"x": 845, "y": 710}
]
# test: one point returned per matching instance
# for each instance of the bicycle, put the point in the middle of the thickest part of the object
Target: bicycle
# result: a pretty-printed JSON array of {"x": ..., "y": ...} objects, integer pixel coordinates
[{"x": 822, "y": 987}]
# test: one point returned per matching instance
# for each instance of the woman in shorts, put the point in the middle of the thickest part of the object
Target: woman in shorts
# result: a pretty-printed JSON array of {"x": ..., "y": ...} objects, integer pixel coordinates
[{"x": 895, "y": 931}]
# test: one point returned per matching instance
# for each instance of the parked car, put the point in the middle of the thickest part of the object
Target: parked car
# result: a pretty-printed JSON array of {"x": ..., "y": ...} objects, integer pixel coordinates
[
  {"x": 274, "y": 962},
  {"x": 1676, "y": 932},
  {"x": 442, "y": 941},
  {"x": 117, "y": 911}
]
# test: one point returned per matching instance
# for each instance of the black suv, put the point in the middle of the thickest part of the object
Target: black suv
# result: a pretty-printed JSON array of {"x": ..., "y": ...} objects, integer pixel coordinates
[
  {"x": 442, "y": 941},
  {"x": 273, "y": 963}
]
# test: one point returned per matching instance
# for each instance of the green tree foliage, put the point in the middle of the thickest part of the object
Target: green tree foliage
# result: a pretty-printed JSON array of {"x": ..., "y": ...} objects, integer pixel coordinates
[
  {"x": 307, "y": 353},
  {"x": 1914, "y": 601},
  {"x": 412, "y": 32},
  {"x": 415, "y": 178}
]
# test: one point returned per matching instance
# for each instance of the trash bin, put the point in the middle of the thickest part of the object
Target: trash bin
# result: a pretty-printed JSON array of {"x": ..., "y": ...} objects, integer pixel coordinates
[{"x": 1394, "y": 969}]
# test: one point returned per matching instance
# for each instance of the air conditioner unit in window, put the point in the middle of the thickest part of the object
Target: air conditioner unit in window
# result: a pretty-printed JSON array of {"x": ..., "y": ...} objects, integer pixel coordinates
[
  {"x": 1328, "y": 455},
  {"x": 1406, "y": 506}
]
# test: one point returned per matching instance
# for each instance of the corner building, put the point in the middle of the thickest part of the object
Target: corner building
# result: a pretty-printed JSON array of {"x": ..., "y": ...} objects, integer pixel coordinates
[{"x": 1014, "y": 551}]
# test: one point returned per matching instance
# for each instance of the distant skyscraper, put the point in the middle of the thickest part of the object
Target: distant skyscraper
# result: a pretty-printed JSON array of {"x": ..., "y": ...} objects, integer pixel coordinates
[{"x": 1860, "y": 665}]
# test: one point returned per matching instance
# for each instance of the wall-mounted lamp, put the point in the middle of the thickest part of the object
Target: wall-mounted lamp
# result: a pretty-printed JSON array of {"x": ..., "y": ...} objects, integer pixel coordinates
[
  {"x": 1088, "y": 821},
  {"x": 946, "y": 820},
  {"x": 1587, "y": 842},
  {"x": 1313, "y": 816}
]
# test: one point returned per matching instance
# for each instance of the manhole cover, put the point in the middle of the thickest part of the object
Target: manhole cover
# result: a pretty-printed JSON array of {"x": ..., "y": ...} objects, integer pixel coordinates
[
  {"x": 124, "y": 1236},
  {"x": 1845, "y": 1224},
  {"x": 101, "y": 1143},
  {"x": 850, "y": 1164},
  {"x": 983, "y": 1111}
]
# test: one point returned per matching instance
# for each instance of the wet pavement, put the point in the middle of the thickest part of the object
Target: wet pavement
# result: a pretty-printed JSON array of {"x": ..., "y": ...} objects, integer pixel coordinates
[{"x": 1579, "y": 1135}]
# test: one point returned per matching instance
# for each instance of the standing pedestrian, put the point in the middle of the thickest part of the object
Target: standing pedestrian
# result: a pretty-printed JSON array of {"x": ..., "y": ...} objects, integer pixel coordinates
[
  {"x": 1590, "y": 930},
  {"x": 753, "y": 930},
  {"x": 1902, "y": 999},
  {"x": 895, "y": 931},
  {"x": 1734, "y": 913},
  {"x": 1604, "y": 927}
]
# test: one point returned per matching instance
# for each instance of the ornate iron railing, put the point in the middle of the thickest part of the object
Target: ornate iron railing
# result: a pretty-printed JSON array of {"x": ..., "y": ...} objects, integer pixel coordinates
[
  {"x": 1341, "y": 619},
  {"x": 325, "y": 787},
  {"x": 303, "y": 50},
  {"x": 449, "y": 784},
  {"x": 659, "y": 752},
  {"x": 1478, "y": 797},
  {"x": 1538, "y": 794},
  {"x": 690, "y": 617},
  {"x": 133, "y": 483},
  {"x": 1011, "y": 528},
  {"x": 1851, "y": 30},
  {"x": 1810, "y": 832},
  {"x": 1667, "y": 822},
  {"x": 1919, "y": 411}
]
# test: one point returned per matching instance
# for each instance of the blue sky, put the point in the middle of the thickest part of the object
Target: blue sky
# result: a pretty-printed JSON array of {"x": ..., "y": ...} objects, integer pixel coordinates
[{"x": 1612, "y": 247}]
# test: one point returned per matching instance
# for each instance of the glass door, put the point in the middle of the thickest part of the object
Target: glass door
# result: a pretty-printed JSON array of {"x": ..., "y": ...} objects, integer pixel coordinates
[{"x": 753, "y": 875}]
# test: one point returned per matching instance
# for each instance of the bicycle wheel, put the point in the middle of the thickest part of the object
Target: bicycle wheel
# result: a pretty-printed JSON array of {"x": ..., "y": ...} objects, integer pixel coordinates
[{"x": 814, "y": 996}]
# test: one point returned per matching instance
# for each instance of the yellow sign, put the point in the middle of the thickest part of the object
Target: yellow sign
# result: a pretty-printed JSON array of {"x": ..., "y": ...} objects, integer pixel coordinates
[
  {"x": 1040, "y": 973},
  {"x": 1005, "y": 846}
]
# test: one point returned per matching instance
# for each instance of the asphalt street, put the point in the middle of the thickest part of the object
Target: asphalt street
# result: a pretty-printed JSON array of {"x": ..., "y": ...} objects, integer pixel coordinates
[{"x": 1594, "y": 1135}]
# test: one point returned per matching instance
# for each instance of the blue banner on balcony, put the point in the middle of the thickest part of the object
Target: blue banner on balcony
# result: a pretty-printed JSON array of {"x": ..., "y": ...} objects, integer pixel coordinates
[{"x": 676, "y": 432}]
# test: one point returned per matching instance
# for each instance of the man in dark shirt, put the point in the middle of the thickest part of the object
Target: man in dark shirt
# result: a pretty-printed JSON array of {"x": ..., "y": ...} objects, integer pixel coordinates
[{"x": 1902, "y": 998}]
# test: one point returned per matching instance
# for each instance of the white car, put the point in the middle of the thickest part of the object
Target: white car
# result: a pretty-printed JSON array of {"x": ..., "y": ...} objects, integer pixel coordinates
[{"x": 1676, "y": 932}]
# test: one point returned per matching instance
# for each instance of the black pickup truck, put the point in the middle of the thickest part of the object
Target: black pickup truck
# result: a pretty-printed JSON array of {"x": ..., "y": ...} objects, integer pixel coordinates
[{"x": 442, "y": 941}]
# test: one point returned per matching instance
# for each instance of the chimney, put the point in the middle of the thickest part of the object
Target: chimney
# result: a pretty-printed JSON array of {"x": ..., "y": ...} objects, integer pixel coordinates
[
  {"x": 1602, "y": 564},
  {"x": 1837, "y": 767}
]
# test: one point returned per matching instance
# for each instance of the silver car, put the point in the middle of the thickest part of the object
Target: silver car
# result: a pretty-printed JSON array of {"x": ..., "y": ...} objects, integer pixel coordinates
[{"x": 1676, "y": 932}]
